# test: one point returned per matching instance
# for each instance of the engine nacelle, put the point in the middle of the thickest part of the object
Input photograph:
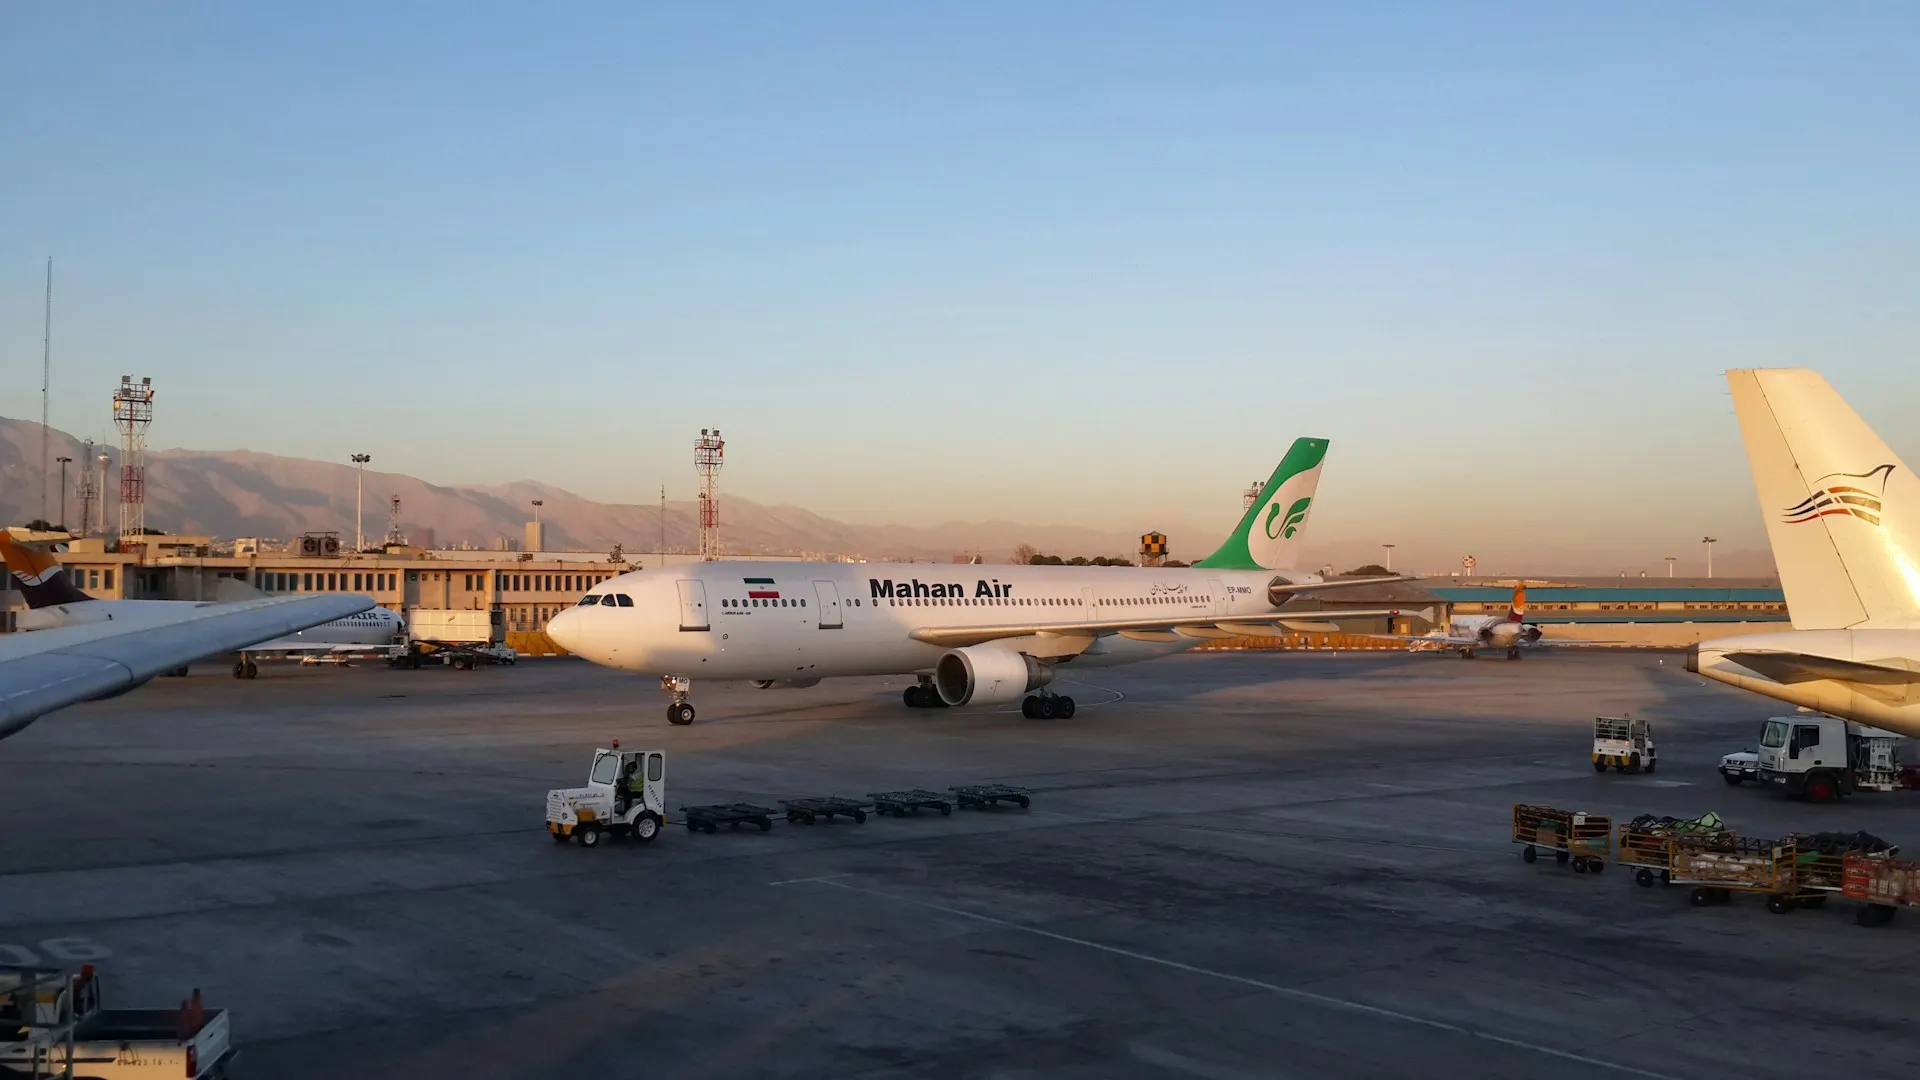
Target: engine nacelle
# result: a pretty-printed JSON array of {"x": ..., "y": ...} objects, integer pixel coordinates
[
  {"x": 785, "y": 684},
  {"x": 1530, "y": 633},
  {"x": 988, "y": 675}
]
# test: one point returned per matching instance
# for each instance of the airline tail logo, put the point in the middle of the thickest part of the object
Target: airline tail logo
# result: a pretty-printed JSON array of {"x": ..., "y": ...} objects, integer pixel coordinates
[
  {"x": 1853, "y": 494},
  {"x": 1296, "y": 516},
  {"x": 1519, "y": 606},
  {"x": 39, "y": 575}
]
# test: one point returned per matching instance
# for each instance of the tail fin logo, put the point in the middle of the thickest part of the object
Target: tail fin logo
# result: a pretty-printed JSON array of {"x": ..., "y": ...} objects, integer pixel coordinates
[
  {"x": 1853, "y": 494},
  {"x": 1296, "y": 514}
]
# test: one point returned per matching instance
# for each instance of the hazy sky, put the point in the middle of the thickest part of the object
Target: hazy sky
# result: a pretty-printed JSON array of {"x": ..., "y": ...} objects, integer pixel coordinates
[{"x": 1087, "y": 263}]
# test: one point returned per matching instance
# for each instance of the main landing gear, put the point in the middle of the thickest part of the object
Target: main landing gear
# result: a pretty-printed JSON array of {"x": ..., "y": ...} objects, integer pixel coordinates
[
  {"x": 680, "y": 711},
  {"x": 1513, "y": 652},
  {"x": 244, "y": 668},
  {"x": 1047, "y": 707},
  {"x": 922, "y": 695}
]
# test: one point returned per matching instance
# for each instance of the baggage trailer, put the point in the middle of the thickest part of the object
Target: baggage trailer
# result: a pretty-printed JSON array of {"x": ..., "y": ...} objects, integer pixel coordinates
[
  {"x": 53, "y": 1024},
  {"x": 1646, "y": 843},
  {"x": 1624, "y": 743},
  {"x": 708, "y": 819},
  {"x": 902, "y": 803},
  {"x": 1573, "y": 836},
  {"x": 1719, "y": 867},
  {"x": 1881, "y": 882},
  {"x": 988, "y": 796},
  {"x": 807, "y": 811}
]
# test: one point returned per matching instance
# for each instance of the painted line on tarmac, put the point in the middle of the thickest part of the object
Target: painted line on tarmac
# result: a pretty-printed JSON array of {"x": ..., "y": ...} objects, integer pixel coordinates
[{"x": 1326, "y": 1000}]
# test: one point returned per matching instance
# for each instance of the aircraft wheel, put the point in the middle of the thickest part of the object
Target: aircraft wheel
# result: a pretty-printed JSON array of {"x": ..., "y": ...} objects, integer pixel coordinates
[
  {"x": 1026, "y": 707},
  {"x": 1513, "y": 653},
  {"x": 1063, "y": 708},
  {"x": 1045, "y": 709},
  {"x": 680, "y": 714},
  {"x": 253, "y": 670},
  {"x": 911, "y": 697},
  {"x": 239, "y": 669}
]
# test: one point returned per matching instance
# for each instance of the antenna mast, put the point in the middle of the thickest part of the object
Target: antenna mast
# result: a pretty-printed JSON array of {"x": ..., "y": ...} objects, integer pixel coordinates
[
  {"x": 393, "y": 523},
  {"x": 46, "y": 388}
]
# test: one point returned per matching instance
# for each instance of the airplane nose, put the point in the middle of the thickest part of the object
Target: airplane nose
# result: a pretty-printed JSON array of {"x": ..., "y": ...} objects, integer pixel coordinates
[{"x": 564, "y": 630}]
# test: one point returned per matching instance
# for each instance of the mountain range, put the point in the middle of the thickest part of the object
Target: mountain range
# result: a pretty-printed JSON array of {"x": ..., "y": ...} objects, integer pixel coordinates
[{"x": 240, "y": 493}]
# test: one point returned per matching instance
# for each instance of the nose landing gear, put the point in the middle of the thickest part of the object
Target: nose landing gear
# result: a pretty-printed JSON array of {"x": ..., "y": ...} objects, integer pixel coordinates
[{"x": 680, "y": 711}]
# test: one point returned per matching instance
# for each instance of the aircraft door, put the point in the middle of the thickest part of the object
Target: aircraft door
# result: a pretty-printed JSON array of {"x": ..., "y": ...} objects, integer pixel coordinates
[
  {"x": 1217, "y": 589},
  {"x": 693, "y": 604},
  {"x": 826, "y": 596}
]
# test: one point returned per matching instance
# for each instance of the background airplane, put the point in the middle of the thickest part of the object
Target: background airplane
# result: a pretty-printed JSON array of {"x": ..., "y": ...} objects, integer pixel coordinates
[
  {"x": 976, "y": 634},
  {"x": 54, "y": 601},
  {"x": 1843, "y": 518},
  {"x": 1468, "y": 633}
]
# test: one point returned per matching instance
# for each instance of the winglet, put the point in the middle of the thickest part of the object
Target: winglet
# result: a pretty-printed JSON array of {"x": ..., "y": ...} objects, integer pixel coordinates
[{"x": 38, "y": 575}]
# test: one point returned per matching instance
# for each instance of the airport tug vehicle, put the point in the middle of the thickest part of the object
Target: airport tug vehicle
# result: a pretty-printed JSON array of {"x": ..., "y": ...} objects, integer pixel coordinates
[
  {"x": 1624, "y": 744},
  {"x": 625, "y": 796}
]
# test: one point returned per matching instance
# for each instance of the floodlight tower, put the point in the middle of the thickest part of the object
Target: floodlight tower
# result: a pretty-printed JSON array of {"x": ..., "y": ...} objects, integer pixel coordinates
[
  {"x": 132, "y": 412},
  {"x": 709, "y": 453},
  {"x": 84, "y": 490}
]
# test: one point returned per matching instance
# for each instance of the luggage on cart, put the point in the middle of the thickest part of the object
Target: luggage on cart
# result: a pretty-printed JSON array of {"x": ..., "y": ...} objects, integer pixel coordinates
[
  {"x": 1574, "y": 836},
  {"x": 1881, "y": 882},
  {"x": 1646, "y": 843},
  {"x": 1717, "y": 869}
]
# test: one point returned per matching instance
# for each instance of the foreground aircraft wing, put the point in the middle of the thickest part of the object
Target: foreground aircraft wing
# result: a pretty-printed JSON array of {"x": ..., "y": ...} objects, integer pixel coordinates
[
  {"x": 1792, "y": 667},
  {"x": 1162, "y": 627},
  {"x": 44, "y": 670}
]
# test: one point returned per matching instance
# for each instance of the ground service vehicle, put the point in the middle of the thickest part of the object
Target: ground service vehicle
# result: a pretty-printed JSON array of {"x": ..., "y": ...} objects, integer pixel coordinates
[
  {"x": 625, "y": 796},
  {"x": 1573, "y": 836},
  {"x": 1624, "y": 743},
  {"x": 1824, "y": 758},
  {"x": 55, "y": 1024},
  {"x": 463, "y": 639}
]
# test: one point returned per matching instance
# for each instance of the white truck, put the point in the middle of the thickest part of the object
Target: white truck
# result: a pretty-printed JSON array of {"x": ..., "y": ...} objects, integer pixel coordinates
[
  {"x": 1824, "y": 758},
  {"x": 53, "y": 1024},
  {"x": 460, "y": 638},
  {"x": 1624, "y": 743},
  {"x": 626, "y": 795}
]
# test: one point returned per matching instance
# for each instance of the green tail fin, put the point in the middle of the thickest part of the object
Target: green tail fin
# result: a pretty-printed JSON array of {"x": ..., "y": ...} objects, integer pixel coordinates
[{"x": 1269, "y": 536}]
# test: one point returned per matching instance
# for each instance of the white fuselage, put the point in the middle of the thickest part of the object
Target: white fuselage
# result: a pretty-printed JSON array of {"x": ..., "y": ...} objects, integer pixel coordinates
[
  {"x": 1892, "y": 702},
  {"x": 824, "y": 620},
  {"x": 1497, "y": 631},
  {"x": 377, "y": 626}
]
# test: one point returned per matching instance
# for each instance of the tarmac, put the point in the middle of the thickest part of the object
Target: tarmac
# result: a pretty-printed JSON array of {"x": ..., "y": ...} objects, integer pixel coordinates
[{"x": 1235, "y": 865}]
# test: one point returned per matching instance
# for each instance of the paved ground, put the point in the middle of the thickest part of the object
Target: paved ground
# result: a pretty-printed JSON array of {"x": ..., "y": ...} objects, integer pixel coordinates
[{"x": 1236, "y": 866}]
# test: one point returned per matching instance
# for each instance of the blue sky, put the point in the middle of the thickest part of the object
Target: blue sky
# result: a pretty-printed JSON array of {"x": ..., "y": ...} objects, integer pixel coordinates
[{"x": 1081, "y": 263}]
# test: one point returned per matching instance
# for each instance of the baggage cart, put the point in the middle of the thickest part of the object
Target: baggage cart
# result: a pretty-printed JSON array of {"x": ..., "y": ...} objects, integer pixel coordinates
[
  {"x": 1717, "y": 869},
  {"x": 1882, "y": 882},
  {"x": 708, "y": 819},
  {"x": 987, "y": 796},
  {"x": 1646, "y": 843},
  {"x": 807, "y": 811},
  {"x": 1583, "y": 839},
  {"x": 902, "y": 803}
]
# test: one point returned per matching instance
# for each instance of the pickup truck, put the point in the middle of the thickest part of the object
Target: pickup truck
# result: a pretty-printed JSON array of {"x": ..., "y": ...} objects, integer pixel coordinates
[
  {"x": 49, "y": 1019},
  {"x": 1740, "y": 766}
]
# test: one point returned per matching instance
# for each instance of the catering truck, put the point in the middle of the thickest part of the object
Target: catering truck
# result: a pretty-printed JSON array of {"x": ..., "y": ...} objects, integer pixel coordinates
[
  {"x": 1823, "y": 758},
  {"x": 55, "y": 1024}
]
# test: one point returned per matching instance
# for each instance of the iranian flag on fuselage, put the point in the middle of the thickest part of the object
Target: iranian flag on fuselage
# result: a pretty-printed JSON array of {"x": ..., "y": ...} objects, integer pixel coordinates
[{"x": 761, "y": 588}]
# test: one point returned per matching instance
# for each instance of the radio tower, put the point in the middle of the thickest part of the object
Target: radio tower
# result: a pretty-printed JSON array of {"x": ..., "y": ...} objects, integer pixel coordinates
[
  {"x": 709, "y": 453},
  {"x": 132, "y": 412},
  {"x": 393, "y": 523},
  {"x": 1252, "y": 494}
]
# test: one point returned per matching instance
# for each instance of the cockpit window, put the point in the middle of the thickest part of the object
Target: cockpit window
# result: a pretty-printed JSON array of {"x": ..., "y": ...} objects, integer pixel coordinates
[
  {"x": 590, "y": 598},
  {"x": 623, "y": 600},
  {"x": 1776, "y": 734}
]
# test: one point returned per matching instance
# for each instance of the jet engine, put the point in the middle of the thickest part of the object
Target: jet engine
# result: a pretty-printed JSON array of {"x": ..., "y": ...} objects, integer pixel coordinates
[
  {"x": 785, "y": 684},
  {"x": 1530, "y": 633},
  {"x": 988, "y": 675}
]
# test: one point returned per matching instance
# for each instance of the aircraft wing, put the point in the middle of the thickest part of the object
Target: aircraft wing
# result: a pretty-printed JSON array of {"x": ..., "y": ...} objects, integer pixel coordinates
[
  {"x": 1790, "y": 667},
  {"x": 44, "y": 670},
  {"x": 301, "y": 648}
]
